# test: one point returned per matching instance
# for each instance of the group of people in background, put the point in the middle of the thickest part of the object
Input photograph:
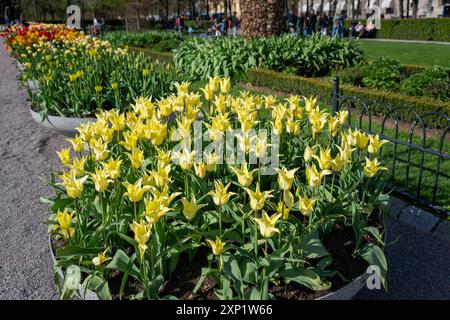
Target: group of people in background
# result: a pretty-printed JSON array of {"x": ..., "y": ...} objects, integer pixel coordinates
[
  {"x": 312, "y": 22},
  {"x": 220, "y": 26}
]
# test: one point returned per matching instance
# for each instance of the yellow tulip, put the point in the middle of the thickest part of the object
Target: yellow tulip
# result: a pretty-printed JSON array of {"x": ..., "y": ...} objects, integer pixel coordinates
[
  {"x": 161, "y": 175},
  {"x": 362, "y": 139},
  {"x": 325, "y": 158},
  {"x": 98, "y": 88},
  {"x": 258, "y": 198},
  {"x": 186, "y": 159},
  {"x": 244, "y": 176},
  {"x": 283, "y": 210},
  {"x": 375, "y": 144},
  {"x": 154, "y": 209},
  {"x": 100, "y": 149},
  {"x": 182, "y": 88},
  {"x": 141, "y": 235},
  {"x": 310, "y": 103},
  {"x": 85, "y": 131},
  {"x": 220, "y": 195},
  {"x": 100, "y": 179},
  {"x": 267, "y": 224},
  {"x": 338, "y": 163},
  {"x": 308, "y": 154},
  {"x": 305, "y": 204},
  {"x": 211, "y": 161},
  {"x": 163, "y": 157},
  {"x": 100, "y": 258},
  {"x": 260, "y": 148},
  {"x": 65, "y": 223},
  {"x": 135, "y": 191},
  {"x": 190, "y": 208},
  {"x": 333, "y": 125},
  {"x": 200, "y": 170},
  {"x": 313, "y": 177},
  {"x": 318, "y": 119},
  {"x": 286, "y": 178},
  {"x": 77, "y": 143},
  {"x": 342, "y": 116},
  {"x": 129, "y": 140},
  {"x": 208, "y": 92},
  {"x": 64, "y": 156},
  {"x": 225, "y": 85},
  {"x": 288, "y": 199},
  {"x": 216, "y": 246},
  {"x": 372, "y": 167},
  {"x": 112, "y": 167},
  {"x": 136, "y": 157},
  {"x": 74, "y": 186},
  {"x": 117, "y": 121},
  {"x": 78, "y": 166}
]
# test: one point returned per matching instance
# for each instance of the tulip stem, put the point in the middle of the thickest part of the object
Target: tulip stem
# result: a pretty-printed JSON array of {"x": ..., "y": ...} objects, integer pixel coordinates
[
  {"x": 135, "y": 211},
  {"x": 220, "y": 221},
  {"x": 78, "y": 217}
]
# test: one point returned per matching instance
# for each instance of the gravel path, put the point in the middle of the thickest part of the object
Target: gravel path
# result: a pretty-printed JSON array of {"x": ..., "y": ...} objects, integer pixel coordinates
[{"x": 26, "y": 153}]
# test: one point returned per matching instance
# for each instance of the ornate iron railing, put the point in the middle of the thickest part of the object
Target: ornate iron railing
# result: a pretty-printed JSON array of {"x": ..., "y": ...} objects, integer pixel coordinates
[{"x": 418, "y": 156}]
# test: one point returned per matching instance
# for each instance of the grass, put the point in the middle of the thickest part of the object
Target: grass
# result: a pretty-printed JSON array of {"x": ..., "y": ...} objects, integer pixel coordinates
[{"x": 426, "y": 54}]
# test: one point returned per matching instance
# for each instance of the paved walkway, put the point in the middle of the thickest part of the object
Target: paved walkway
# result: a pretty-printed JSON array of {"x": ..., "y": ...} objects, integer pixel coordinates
[
  {"x": 406, "y": 41},
  {"x": 418, "y": 262}
]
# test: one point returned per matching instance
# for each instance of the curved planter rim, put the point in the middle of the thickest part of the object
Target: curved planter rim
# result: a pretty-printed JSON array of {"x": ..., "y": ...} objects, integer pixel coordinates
[
  {"x": 63, "y": 125},
  {"x": 344, "y": 293}
]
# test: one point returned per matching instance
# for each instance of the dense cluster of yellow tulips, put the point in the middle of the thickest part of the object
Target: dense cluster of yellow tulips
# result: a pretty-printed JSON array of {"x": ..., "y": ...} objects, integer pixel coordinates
[{"x": 125, "y": 183}]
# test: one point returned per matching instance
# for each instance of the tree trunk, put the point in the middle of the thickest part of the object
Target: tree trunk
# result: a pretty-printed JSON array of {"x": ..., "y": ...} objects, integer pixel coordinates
[
  {"x": 261, "y": 18},
  {"x": 415, "y": 4},
  {"x": 401, "y": 8}
]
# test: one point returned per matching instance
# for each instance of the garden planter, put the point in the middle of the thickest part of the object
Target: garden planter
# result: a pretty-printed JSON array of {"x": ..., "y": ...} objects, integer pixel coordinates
[
  {"x": 81, "y": 292},
  {"x": 63, "y": 125}
]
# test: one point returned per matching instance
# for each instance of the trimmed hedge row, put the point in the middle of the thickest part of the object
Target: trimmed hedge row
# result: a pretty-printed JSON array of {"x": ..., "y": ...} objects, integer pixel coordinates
[
  {"x": 436, "y": 29},
  {"x": 278, "y": 81},
  {"x": 166, "y": 57}
]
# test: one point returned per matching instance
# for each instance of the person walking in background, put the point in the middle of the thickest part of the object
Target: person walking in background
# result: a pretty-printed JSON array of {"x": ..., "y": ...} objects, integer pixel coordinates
[
  {"x": 235, "y": 23},
  {"x": 301, "y": 24},
  {"x": 341, "y": 26},
  {"x": 292, "y": 21},
  {"x": 323, "y": 24},
  {"x": 313, "y": 22},
  {"x": 178, "y": 24},
  {"x": 307, "y": 24}
]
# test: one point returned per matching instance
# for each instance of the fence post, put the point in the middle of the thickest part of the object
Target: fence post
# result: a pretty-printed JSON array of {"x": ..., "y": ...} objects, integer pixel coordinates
[{"x": 335, "y": 99}]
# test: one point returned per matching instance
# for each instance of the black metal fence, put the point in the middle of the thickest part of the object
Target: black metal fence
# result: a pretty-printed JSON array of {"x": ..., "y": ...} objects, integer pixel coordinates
[{"x": 418, "y": 157}]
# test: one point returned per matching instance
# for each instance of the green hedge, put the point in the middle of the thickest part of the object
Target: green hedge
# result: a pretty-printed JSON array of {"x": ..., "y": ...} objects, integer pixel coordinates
[
  {"x": 437, "y": 29},
  {"x": 166, "y": 57},
  {"x": 278, "y": 81}
]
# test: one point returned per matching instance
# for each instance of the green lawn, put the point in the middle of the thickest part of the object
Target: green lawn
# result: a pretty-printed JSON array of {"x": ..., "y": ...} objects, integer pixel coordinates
[{"x": 408, "y": 53}]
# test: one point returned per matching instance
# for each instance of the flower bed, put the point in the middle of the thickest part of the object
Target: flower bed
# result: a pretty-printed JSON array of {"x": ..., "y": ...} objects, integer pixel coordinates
[
  {"x": 79, "y": 76},
  {"x": 151, "y": 211}
]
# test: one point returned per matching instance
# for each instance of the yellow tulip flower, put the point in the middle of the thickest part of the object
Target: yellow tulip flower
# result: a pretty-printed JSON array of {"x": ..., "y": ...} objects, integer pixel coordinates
[
  {"x": 129, "y": 140},
  {"x": 313, "y": 177},
  {"x": 182, "y": 88},
  {"x": 112, "y": 167},
  {"x": 318, "y": 119},
  {"x": 375, "y": 144},
  {"x": 244, "y": 176},
  {"x": 333, "y": 125},
  {"x": 200, "y": 170},
  {"x": 100, "y": 179},
  {"x": 100, "y": 149},
  {"x": 283, "y": 210},
  {"x": 288, "y": 199},
  {"x": 258, "y": 198},
  {"x": 338, "y": 163},
  {"x": 216, "y": 246},
  {"x": 308, "y": 153},
  {"x": 135, "y": 191},
  {"x": 305, "y": 204},
  {"x": 154, "y": 209},
  {"x": 85, "y": 131},
  {"x": 342, "y": 116},
  {"x": 65, "y": 223},
  {"x": 136, "y": 157},
  {"x": 220, "y": 195},
  {"x": 286, "y": 178},
  {"x": 208, "y": 92},
  {"x": 214, "y": 83},
  {"x": 260, "y": 148},
  {"x": 362, "y": 140},
  {"x": 77, "y": 143},
  {"x": 64, "y": 156},
  {"x": 100, "y": 258},
  {"x": 186, "y": 159},
  {"x": 372, "y": 167},
  {"x": 163, "y": 157},
  {"x": 78, "y": 166},
  {"x": 310, "y": 103},
  {"x": 117, "y": 121},
  {"x": 161, "y": 175},
  {"x": 74, "y": 186},
  {"x": 190, "y": 208},
  {"x": 141, "y": 235},
  {"x": 98, "y": 88},
  {"x": 211, "y": 161},
  {"x": 267, "y": 224},
  {"x": 114, "y": 86},
  {"x": 325, "y": 158},
  {"x": 225, "y": 85}
]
